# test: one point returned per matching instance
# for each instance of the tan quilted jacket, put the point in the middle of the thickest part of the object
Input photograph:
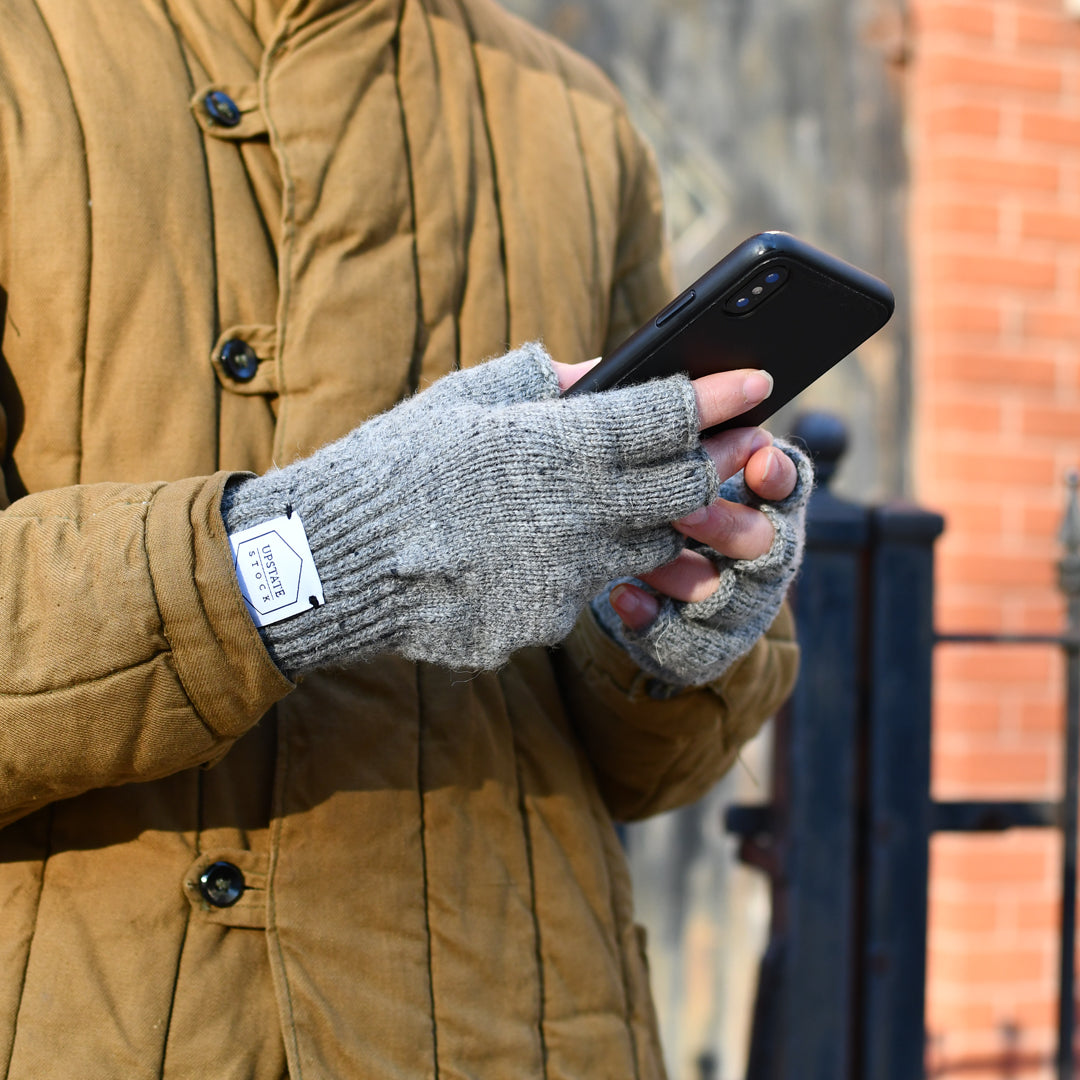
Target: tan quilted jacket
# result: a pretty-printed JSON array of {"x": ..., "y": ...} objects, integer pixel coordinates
[{"x": 432, "y": 886}]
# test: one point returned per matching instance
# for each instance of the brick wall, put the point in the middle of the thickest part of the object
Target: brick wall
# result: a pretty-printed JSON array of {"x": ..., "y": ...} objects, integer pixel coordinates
[{"x": 994, "y": 124}]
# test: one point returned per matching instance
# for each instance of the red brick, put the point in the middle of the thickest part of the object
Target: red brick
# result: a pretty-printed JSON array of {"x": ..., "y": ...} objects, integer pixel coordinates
[
  {"x": 1051, "y": 225},
  {"x": 991, "y": 861},
  {"x": 1044, "y": 918},
  {"x": 1045, "y": 521},
  {"x": 993, "y": 565},
  {"x": 993, "y": 664},
  {"x": 968, "y": 617},
  {"x": 949, "y": 68},
  {"x": 1043, "y": 616},
  {"x": 1057, "y": 129},
  {"x": 963, "y": 318},
  {"x": 1008, "y": 965},
  {"x": 965, "y": 118},
  {"x": 970, "y": 271},
  {"x": 969, "y": 718},
  {"x": 1053, "y": 30},
  {"x": 977, "y": 467},
  {"x": 967, "y": 517},
  {"x": 964, "y": 917},
  {"x": 993, "y": 965},
  {"x": 1036, "y": 718},
  {"x": 1025, "y": 771},
  {"x": 958, "y": 1015},
  {"x": 1054, "y": 323},
  {"x": 975, "y": 20},
  {"x": 975, "y": 417},
  {"x": 1037, "y": 1015},
  {"x": 965, "y": 217},
  {"x": 1051, "y": 421},
  {"x": 996, "y": 150},
  {"x": 1008, "y": 372},
  {"x": 986, "y": 173},
  {"x": 978, "y": 561}
]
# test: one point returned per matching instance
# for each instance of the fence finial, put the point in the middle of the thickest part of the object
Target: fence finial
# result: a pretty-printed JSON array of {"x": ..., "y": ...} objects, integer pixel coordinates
[
  {"x": 1069, "y": 564},
  {"x": 1070, "y": 527},
  {"x": 825, "y": 437}
]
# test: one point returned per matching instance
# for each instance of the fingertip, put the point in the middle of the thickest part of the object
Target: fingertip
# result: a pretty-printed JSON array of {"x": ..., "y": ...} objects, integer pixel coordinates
[
  {"x": 634, "y": 606},
  {"x": 569, "y": 374},
  {"x": 771, "y": 474}
]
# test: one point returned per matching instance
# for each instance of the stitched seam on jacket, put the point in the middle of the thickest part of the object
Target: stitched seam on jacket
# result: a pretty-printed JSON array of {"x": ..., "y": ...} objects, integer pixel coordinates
[
  {"x": 287, "y": 238},
  {"x": 182, "y": 49},
  {"x": 620, "y": 934},
  {"x": 33, "y": 935},
  {"x": 187, "y": 926},
  {"x": 89, "y": 241},
  {"x": 281, "y": 769},
  {"x": 496, "y": 196},
  {"x": 526, "y": 831},
  {"x": 424, "y": 866},
  {"x": 590, "y": 198},
  {"x": 592, "y": 80},
  {"x": 420, "y": 335},
  {"x": 172, "y": 995}
]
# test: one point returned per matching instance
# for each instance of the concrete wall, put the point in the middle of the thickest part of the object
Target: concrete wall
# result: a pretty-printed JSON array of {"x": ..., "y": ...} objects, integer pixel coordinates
[{"x": 778, "y": 115}]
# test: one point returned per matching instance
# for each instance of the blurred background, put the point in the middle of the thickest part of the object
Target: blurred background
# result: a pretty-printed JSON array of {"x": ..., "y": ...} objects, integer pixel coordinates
[{"x": 937, "y": 144}]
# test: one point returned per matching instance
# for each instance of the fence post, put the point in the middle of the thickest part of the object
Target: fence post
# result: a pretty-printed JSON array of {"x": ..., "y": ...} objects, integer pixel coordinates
[
  {"x": 895, "y": 853},
  {"x": 803, "y": 1024}
]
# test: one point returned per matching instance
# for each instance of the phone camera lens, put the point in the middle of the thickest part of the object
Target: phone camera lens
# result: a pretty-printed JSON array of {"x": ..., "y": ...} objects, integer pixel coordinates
[
  {"x": 772, "y": 279},
  {"x": 742, "y": 301}
]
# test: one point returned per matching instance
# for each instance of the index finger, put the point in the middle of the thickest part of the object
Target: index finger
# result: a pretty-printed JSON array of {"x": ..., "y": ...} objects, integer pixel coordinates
[{"x": 726, "y": 394}]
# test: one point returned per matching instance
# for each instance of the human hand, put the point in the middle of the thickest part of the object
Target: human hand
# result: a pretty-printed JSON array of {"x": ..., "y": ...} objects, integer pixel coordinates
[
  {"x": 483, "y": 514},
  {"x": 726, "y": 527}
]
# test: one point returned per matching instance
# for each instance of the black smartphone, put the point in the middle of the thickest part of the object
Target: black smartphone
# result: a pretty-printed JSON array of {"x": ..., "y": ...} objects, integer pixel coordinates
[{"x": 775, "y": 303}]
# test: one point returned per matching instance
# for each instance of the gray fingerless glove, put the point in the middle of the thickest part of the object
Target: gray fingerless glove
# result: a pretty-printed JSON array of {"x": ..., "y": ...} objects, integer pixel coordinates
[
  {"x": 690, "y": 644},
  {"x": 481, "y": 515}
]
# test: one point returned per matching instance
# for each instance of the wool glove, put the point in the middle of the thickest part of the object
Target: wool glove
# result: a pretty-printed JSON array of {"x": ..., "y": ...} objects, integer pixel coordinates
[
  {"x": 690, "y": 644},
  {"x": 481, "y": 515}
]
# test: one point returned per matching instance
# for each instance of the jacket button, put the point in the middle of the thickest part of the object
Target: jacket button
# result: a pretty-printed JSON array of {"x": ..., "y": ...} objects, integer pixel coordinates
[
  {"x": 239, "y": 360},
  {"x": 222, "y": 884},
  {"x": 221, "y": 109}
]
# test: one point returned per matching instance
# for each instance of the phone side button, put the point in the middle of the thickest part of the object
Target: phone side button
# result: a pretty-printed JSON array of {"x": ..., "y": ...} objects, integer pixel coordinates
[{"x": 676, "y": 305}]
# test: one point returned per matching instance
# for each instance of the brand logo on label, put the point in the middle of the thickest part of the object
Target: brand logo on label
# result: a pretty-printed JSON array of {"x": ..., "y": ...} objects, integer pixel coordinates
[
  {"x": 271, "y": 569},
  {"x": 276, "y": 570}
]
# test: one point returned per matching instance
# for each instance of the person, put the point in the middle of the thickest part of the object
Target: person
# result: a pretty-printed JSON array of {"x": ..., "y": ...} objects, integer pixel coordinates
[{"x": 252, "y": 254}]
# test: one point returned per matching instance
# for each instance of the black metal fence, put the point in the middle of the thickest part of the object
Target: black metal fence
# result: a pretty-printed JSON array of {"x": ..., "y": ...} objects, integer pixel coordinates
[{"x": 845, "y": 840}]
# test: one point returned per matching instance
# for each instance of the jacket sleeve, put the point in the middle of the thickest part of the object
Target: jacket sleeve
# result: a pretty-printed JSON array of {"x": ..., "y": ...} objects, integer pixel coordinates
[
  {"x": 652, "y": 755},
  {"x": 127, "y": 652}
]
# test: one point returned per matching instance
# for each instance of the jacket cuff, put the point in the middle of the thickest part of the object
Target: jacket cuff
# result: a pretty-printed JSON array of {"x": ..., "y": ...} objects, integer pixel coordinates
[
  {"x": 650, "y": 705},
  {"x": 219, "y": 656},
  {"x": 614, "y": 677}
]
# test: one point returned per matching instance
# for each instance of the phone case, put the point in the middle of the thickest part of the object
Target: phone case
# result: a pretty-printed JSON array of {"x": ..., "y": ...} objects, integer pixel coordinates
[{"x": 774, "y": 302}]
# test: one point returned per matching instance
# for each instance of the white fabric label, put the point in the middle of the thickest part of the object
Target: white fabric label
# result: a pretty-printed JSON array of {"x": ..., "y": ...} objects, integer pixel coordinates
[{"x": 276, "y": 569}]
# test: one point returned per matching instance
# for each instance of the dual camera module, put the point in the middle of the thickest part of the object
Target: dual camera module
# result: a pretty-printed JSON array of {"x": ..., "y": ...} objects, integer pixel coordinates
[{"x": 757, "y": 289}]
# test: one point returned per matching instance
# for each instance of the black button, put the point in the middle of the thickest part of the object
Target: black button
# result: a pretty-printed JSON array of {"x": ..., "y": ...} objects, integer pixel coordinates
[
  {"x": 676, "y": 305},
  {"x": 239, "y": 360},
  {"x": 222, "y": 109},
  {"x": 222, "y": 884}
]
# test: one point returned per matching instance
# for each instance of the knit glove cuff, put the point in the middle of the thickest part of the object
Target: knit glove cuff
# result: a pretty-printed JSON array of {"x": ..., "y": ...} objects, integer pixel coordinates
[
  {"x": 481, "y": 515},
  {"x": 691, "y": 644}
]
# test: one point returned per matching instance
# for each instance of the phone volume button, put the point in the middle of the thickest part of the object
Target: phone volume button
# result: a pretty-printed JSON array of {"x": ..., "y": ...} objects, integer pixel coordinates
[{"x": 680, "y": 303}]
